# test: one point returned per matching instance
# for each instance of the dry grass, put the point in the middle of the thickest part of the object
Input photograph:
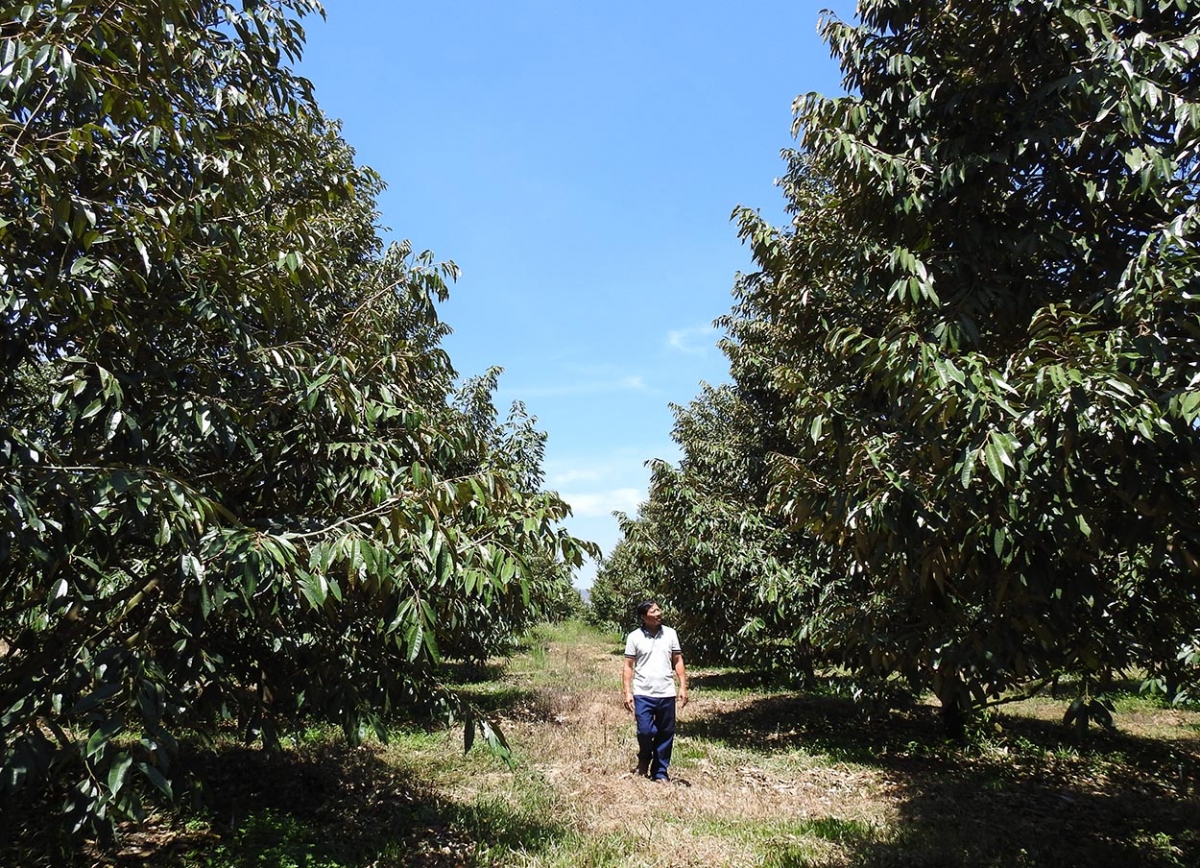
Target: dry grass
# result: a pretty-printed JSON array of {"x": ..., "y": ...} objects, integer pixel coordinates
[
  {"x": 762, "y": 778},
  {"x": 785, "y": 779},
  {"x": 584, "y": 746}
]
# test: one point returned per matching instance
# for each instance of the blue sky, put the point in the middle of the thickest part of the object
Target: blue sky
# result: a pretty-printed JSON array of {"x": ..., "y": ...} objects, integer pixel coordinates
[{"x": 579, "y": 162}]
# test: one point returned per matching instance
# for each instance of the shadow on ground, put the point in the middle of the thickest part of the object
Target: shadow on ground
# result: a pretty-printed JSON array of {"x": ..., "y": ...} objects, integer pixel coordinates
[
  {"x": 1023, "y": 794},
  {"x": 321, "y": 805},
  {"x": 737, "y": 679}
]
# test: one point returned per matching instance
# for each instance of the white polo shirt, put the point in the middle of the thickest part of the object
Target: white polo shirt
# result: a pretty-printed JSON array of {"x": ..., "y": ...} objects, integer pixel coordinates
[{"x": 653, "y": 674}]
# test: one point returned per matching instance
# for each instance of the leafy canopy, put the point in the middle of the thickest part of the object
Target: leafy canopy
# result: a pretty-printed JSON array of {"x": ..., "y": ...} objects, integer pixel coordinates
[
  {"x": 972, "y": 355},
  {"x": 235, "y": 482}
]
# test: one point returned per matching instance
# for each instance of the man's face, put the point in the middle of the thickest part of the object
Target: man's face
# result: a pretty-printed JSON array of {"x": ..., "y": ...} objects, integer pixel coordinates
[{"x": 653, "y": 617}]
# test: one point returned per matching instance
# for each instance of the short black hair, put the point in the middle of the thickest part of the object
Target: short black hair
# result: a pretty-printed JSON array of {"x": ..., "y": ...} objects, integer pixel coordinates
[{"x": 644, "y": 607}]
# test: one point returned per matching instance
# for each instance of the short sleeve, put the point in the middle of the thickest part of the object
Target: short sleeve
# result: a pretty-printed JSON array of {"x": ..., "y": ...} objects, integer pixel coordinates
[
  {"x": 630, "y": 646},
  {"x": 675, "y": 649}
]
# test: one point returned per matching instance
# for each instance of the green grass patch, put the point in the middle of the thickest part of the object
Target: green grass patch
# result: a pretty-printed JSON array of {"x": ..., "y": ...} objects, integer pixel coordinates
[
  {"x": 794, "y": 843},
  {"x": 573, "y": 632},
  {"x": 269, "y": 839}
]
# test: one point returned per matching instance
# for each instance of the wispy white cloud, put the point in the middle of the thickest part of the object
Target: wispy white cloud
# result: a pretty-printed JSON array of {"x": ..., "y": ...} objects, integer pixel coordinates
[
  {"x": 621, "y": 467},
  {"x": 558, "y": 479},
  {"x": 596, "y": 485},
  {"x": 603, "y": 503},
  {"x": 694, "y": 341}
]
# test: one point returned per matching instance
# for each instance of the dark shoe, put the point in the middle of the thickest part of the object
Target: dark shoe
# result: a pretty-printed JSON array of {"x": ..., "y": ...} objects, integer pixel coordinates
[{"x": 643, "y": 768}]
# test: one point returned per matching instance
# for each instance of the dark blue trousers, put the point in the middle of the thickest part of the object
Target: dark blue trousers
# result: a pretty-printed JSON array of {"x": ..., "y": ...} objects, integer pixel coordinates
[{"x": 655, "y": 732}]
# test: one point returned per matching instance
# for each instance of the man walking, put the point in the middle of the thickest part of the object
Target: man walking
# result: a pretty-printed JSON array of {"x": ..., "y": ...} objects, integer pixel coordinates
[{"x": 653, "y": 659}]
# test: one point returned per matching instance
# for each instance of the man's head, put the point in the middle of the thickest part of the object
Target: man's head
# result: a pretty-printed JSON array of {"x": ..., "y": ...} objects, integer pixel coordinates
[{"x": 649, "y": 614}]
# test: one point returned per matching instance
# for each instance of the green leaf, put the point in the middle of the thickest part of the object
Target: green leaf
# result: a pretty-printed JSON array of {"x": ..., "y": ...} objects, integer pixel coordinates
[
  {"x": 968, "y": 468},
  {"x": 118, "y": 772},
  {"x": 1101, "y": 714},
  {"x": 1189, "y": 406},
  {"x": 96, "y": 697},
  {"x": 994, "y": 459},
  {"x": 496, "y": 742},
  {"x": 140, "y": 245},
  {"x": 155, "y": 777},
  {"x": 101, "y": 736},
  {"x": 469, "y": 724}
]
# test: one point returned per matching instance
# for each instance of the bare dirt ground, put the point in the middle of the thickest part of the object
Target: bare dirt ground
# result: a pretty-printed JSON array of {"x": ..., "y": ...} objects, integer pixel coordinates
[{"x": 811, "y": 771}]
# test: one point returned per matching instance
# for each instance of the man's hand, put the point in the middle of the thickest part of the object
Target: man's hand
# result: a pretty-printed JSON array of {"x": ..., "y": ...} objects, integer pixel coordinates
[
  {"x": 629, "y": 702},
  {"x": 683, "y": 699}
]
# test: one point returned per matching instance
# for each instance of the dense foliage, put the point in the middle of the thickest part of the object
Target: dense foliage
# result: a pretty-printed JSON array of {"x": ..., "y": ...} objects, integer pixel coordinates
[
  {"x": 616, "y": 589},
  {"x": 981, "y": 347},
  {"x": 704, "y": 541},
  {"x": 235, "y": 482}
]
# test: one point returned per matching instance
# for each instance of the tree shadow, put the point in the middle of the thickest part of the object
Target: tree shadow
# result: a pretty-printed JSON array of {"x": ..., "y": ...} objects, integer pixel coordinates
[
  {"x": 456, "y": 673},
  {"x": 1023, "y": 795},
  {"x": 827, "y": 724},
  {"x": 317, "y": 805},
  {"x": 735, "y": 679}
]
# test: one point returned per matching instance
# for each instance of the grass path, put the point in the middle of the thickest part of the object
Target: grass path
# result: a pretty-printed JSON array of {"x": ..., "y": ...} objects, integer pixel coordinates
[
  {"x": 762, "y": 778},
  {"x": 739, "y": 795},
  {"x": 779, "y": 779}
]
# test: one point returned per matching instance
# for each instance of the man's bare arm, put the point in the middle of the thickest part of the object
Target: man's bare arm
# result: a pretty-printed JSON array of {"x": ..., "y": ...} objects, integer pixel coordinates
[
  {"x": 627, "y": 683},
  {"x": 681, "y": 672}
]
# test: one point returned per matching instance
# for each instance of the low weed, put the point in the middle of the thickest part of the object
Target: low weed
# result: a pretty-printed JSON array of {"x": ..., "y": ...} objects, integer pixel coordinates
[{"x": 269, "y": 839}]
